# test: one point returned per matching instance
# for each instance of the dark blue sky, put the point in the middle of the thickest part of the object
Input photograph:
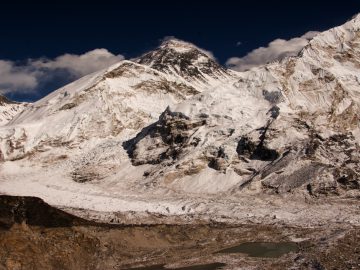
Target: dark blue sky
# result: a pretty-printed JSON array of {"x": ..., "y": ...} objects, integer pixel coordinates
[{"x": 32, "y": 30}]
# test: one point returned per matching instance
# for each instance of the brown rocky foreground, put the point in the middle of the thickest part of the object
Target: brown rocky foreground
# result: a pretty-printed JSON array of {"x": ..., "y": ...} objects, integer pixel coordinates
[{"x": 34, "y": 235}]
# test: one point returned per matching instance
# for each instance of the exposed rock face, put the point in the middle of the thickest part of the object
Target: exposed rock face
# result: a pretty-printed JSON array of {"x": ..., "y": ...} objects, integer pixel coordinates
[
  {"x": 163, "y": 140},
  {"x": 273, "y": 97},
  {"x": 248, "y": 149}
]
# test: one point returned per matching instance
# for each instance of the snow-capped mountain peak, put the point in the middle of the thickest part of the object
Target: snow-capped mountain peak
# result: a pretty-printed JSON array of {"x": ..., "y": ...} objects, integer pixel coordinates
[
  {"x": 183, "y": 59},
  {"x": 177, "y": 44},
  {"x": 173, "y": 123}
]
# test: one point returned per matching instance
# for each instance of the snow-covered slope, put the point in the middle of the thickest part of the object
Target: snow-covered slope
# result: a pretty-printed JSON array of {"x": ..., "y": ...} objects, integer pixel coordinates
[
  {"x": 8, "y": 109},
  {"x": 173, "y": 132}
]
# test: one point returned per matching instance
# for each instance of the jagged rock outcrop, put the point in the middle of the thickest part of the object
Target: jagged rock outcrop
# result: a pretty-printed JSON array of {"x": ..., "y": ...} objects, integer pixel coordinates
[{"x": 163, "y": 140}]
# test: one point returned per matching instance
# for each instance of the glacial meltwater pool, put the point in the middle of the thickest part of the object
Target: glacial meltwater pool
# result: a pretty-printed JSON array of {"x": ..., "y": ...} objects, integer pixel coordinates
[
  {"x": 211, "y": 266},
  {"x": 263, "y": 249},
  {"x": 252, "y": 249}
]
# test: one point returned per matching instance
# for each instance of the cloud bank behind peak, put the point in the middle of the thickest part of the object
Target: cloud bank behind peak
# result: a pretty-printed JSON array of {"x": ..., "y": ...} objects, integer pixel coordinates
[
  {"x": 26, "y": 77},
  {"x": 275, "y": 50}
]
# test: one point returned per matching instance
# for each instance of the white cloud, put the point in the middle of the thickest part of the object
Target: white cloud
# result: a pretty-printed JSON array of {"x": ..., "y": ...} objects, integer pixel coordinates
[
  {"x": 276, "y": 50},
  {"x": 14, "y": 77},
  {"x": 25, "y": 78},
  {"x": 80, "y": 65},
  {"x": 208, "y": 53}
]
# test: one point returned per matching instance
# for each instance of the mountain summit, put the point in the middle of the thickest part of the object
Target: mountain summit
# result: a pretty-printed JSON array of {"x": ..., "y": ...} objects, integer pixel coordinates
[
  {"x": 183, "y": 59},
  {"x": 174, "y": 133}
]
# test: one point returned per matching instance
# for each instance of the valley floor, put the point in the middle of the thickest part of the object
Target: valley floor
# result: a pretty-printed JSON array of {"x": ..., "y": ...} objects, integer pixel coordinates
[{"x": 34, "y": 235}]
